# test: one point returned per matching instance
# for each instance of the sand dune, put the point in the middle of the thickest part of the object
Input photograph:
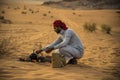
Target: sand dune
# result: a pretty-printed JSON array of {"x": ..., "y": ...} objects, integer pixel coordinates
[{"x": 32, "y": 25}]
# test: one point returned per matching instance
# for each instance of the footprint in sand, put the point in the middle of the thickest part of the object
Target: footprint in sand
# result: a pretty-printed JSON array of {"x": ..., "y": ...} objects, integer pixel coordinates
[{"x": 4, "y": 75}]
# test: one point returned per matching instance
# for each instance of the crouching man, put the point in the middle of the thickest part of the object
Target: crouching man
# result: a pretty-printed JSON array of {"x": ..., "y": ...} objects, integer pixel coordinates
[{"x": 68, "y": 44}]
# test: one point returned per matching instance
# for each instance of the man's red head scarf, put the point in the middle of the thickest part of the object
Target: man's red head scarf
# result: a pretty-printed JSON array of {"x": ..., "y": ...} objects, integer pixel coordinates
[{"x": 60, "y": 23}]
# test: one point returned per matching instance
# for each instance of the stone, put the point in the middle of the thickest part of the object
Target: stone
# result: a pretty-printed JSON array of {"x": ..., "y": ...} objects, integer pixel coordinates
[{"x": 58, "y": 60}]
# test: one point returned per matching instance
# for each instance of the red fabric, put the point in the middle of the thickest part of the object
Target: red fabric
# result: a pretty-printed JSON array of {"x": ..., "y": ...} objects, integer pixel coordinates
[{"x": 60, "y": 23}]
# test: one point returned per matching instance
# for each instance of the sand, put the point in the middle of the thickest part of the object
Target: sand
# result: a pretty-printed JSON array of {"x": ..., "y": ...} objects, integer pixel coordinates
[{"x": 32, "y": 26}]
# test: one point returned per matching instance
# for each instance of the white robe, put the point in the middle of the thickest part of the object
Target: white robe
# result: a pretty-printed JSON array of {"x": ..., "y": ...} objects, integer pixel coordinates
[{"x": 68, "y": 44}]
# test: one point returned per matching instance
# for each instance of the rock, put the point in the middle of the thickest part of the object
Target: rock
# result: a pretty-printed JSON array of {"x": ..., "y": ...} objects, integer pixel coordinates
[{"x": 58, "y": 60}]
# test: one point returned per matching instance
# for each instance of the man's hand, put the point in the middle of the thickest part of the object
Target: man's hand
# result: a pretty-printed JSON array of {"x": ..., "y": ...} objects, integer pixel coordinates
[
  {"x": 39, "y": 51},
  {"x": 49, "y": 50}
]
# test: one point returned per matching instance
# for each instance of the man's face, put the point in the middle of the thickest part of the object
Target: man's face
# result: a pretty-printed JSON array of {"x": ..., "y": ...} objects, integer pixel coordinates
[{"x": 57, "y": 29}]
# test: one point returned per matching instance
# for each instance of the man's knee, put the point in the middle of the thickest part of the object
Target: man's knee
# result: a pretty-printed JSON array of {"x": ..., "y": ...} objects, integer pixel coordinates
[{"x": 61, "y": 50}]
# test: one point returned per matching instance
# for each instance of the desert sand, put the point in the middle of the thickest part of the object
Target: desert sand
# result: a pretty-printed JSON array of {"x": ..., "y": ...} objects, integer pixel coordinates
[{"x": 31, "y": 25}]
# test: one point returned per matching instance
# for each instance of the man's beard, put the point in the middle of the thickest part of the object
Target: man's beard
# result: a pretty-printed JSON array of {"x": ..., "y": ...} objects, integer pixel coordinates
[{"x": 58, "y": 31}]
